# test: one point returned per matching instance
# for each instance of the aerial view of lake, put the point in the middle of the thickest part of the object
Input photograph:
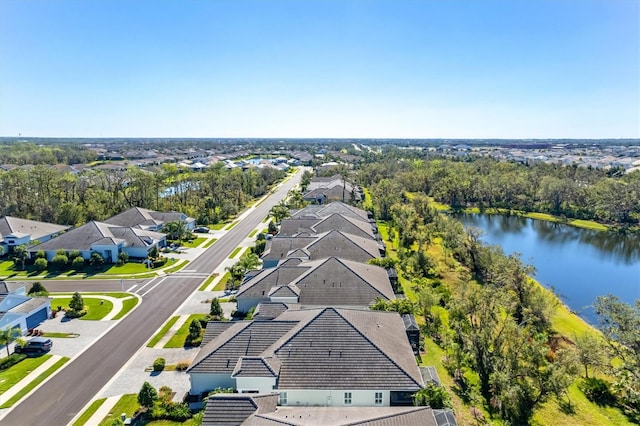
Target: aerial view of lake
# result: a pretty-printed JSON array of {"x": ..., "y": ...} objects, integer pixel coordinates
[{"x": 579, "y": 264}]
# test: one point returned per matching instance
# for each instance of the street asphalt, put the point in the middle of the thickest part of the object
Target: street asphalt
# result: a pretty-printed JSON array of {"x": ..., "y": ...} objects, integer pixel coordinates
[{"x": 59, "y": 399}]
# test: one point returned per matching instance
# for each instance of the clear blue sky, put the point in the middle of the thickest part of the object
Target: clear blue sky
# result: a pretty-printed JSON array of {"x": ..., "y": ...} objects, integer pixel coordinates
[{"x": 320, "y": 68}]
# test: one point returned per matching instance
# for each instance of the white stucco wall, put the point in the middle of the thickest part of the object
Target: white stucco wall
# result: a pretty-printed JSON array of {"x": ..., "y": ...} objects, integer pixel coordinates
[
  {"x": 285, "y": 299},
  {"x": 335, "y": 398},
  {"x": 246, "y": 303},
  {"x": 141, "y": 252},
  {"x": 202, "y": 382},
  {"x": 261, "y": 384}
]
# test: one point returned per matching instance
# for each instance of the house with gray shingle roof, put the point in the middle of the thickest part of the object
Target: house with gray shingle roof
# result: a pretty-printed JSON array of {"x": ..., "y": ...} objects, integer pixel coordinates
[
  {"x": 335, "y": 221},
  {"x": 137, "y": 217},
  {"x": 327, "y": 190},
  {"x": 321, "y": 211},
  {"x": 321, "y": 356},
  {"x": 15, "y": 232},
  {"x": 22, "y": 311},
  {"x": 321, "y": 246},
  {"x": 325, "y": 282},
  {"x": 106, "y": 239}
]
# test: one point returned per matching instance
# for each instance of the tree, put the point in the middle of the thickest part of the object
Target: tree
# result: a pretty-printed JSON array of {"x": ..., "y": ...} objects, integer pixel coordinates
[
  {"x": 77, "y": 303},
  {"x": 279, "y": 211},
  {"x": 433, "y": 396},
  {"x": 40, "y": 264},
  {"x": 175, "y": 230},
  {"x": 20, "y": 255},
  {"x": 591, "y": 352},
  {"x": 194, "y": 330},
  {"x": 620, "y": 323},
  {"x": 8, "y": 335},
  {"x": 96, "y": 259},
  {"x": 147, "y": 395},
  {"x": 37, "y": 289},
  {"x": 216, "y": 310}
]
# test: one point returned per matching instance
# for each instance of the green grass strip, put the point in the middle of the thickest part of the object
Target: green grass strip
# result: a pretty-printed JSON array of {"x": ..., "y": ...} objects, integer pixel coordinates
[
  {"x": 254, "y": 232},
  {"x": 210, "y": 242},
  {"x": 231, "y": 225},
  {"x": 217, "y": 226},
  {"x": 17, "y": 397},
  {"x": 234, "y": 252},
  {"x": 178, "y": 339},
  {"x": 89, "y": 412},
  {"x": 127, "y": 305},
  {"x": 222, "y": 284},
  {"x": 162, "y": 332},
  {"x": 12, "y": 375},
  {"x": 206, "y": 282},
  {"x": 176, "y": 267},
  {"x": 61, "y": 335},
  {"x": 127, "y": 404}
]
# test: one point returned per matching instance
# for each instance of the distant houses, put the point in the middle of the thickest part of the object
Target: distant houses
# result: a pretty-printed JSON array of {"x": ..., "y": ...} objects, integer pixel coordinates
[{"x": 324, "y": 190}]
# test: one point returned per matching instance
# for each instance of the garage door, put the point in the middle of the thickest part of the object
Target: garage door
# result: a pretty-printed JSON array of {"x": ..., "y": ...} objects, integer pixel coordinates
[{"x": 36, "y": 318}]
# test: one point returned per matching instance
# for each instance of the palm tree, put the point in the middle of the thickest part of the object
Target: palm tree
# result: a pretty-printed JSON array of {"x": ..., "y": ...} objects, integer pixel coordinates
[
  {"x": 279, "y": 211},
  {"x": 20, "y": 254},
  {"x": 8, "y": 335},
  {"x": 175, "y": 230}
]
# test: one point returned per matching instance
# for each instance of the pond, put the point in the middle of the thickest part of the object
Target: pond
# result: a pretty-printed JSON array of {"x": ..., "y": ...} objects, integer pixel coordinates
[{"x": 579, "y": 264}]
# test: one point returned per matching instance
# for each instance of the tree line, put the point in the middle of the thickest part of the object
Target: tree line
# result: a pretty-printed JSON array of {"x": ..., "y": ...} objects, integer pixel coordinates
[
  {"x": 22, "y": 153},
  {"x": 50, "y": 195},
  {"x": 569, "y": 191}
]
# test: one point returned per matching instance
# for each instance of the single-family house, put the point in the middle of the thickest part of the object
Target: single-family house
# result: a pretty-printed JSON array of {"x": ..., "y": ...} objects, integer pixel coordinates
[
  {"x": 22, "y": 311},
  {"x": 150, "y": 220},
  {"x": 327, "y": 190},
  {"x": 15, "y": 231},
  {"x": 106, "y": 239},
  {"x": 335, "y": 221},
  {"x": 330, "y": 281},
  {"x": 322, "y": 356}
]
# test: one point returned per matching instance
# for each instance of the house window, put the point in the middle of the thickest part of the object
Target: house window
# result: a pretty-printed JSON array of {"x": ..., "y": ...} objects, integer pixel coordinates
[
  {"x": 283, "y": 398},
  {"x": 378, "y": 398},
  {"x": 347, "y": 398}
]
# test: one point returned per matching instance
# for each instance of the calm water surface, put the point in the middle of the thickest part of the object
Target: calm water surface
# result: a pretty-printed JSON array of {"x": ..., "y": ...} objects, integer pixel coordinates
[{"x": 579, "y": 264}]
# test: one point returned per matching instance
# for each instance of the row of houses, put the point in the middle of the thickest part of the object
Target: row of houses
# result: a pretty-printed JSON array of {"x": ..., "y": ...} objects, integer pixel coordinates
[
  {"x": 325, "y": 190},
  {"x": 314, "y": 353},
  {"x": 135, "y": 232}
]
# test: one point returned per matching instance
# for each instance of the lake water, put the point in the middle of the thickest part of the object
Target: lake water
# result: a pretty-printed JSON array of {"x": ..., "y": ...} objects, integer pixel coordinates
[{"x": 579, "y": 264}]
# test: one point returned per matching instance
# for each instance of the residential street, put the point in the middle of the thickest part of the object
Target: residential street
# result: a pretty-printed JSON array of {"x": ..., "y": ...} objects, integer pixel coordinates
[{"x": 59, "y": 399}]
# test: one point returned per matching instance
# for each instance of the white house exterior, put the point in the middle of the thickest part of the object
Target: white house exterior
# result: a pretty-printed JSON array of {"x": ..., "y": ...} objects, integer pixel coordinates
[
  {"x": 19, "y": 310},
  {"x": 16, "y": 231}
]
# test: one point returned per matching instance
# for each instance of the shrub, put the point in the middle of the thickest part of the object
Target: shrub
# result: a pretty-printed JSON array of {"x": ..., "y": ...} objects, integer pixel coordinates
[
  {"x": 433, "y": 396},
  {"x": 78, "y": 262},
  {"x": 158, "y": 364},
  {"x": 159, "y": 262},
  {"x": 41, "y": 254},
  {"x": 76, "y": 303},
  {"x": 215, "y": 310},
  {"x": 123, "y": 258},
  {"x": 182, "y": 365},
  {"x": 75, "y": 314},
  {"x": 11, "y": 360},
  {"x": 40, "y": 264},
  {"x": 37, "y": 289},
  {"x": 74, "y": 254},
  {"x": 176, "y": 411},
  {"x": 597, "y": 391},
  {"x": 96, "y": 259},
  {"x": 59, "y": 261},
  {"x": 203, "y": 321}
]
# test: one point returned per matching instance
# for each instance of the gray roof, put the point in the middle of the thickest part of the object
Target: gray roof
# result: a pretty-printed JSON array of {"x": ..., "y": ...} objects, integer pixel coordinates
[
  {"x": 445, "y": 418},
  {"x": 410, "y": 322},
  {"x": 30, "y": 305},
  {"x": 430, "y": 374},
  {"x": 344, "y": 416},
  {"x": 213, "y": 330},
  {"x": 143, "y": 218},
  {"x": 256, "y": 366},
  {"x": 285, "y": 291},
  {"x": 267, "y": 311},
  {"x": 83, "y": 237},
  {"x": 317, "y": 225},
  {"x": 321, "y": 211},
  {"x": 20, "y": 227},
  {"x": 260, "y": 284},
  {"x": 234, "y": 409}
]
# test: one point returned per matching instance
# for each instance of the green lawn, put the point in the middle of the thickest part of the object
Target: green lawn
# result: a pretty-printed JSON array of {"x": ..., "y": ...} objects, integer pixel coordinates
[
  {"x": 217, "y": 226},
  {"x": 254, "y": 232},
  {"x": 231, "y": 225},
  {"x": 61, "y": 335},
  {"x": 126, "y": 404},
  {"x": 194, "y": 243},
  {"x": 176, "y": 266},
  {"x": 95, "y": 310},
  {"x": 162, "y": 332},
  {"x": 177, "y": 341},
  {"x": 210, "y": 242},
  {"x": 89, "y": 412},
  {"x": 127, "y": 305},
  {"x": 14, "y": 374},
  {"x": 18, "y": 396},
  {"x": 206, "y": 282},
  {"x": 222, "y": 284},
  {"x": 234, "y": 252}
]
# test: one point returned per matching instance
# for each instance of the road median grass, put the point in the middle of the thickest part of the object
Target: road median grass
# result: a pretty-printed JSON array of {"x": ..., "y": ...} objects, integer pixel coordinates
[
  {"x": 178, "y": 339},
  {"x": 154, "y": 341},
  {"x": 235, "y": 252},
  {"x": 206, "y": 282},
  {"x": 86, "y": 415},
  {"x": 18, "y": 396}
]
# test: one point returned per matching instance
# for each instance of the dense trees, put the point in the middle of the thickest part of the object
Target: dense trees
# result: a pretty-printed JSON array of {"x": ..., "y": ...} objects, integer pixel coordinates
[
  {"x": 48, "y": 194},
  {"x": 482, "y": 182}
]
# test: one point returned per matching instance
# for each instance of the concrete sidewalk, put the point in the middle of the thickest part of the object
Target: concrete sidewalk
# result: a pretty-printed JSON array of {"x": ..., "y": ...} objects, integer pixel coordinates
[{"x": 103, "y": 410}]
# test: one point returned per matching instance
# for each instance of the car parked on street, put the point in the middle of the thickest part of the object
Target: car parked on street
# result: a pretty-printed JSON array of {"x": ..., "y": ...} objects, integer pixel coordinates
[{"x": 37, "y": 345}]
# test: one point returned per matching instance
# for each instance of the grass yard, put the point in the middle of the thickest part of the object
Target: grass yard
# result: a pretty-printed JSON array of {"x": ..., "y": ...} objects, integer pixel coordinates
[
  {"x": 234, "y": 252},
  {"x": 127, "y": 305},
  {"x": 128, "y": 404},
  {"x": 193, "y": 243},
  {"x": 210, "y": 242},
  {"x": 89, "y": 412},
  {"x": 206, "y": 282},
  {"x": 14, "y": 374},
  {"x": 154, "y": 341},
  {"x": 95, "y": 310},
  {"x": 217, "y": 226},
  {"x": 18, "y": 396},
  {"x": 177, "y": 341}
]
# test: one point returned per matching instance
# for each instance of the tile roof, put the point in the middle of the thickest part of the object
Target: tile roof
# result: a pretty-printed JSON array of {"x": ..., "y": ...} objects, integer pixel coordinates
[
  {"x": 145, "y": 218},
  {"x": 30, "y": 305},
  {"x": 234, "y": 409},
  {"x": 255, "y": 366},
  {"x": 267, "y": 311},
  {"x": 260, "y": 284},
  {"x": 445, "y": 418},
  {"x": 13, "y": 225},
  {"x": 214, "y": 329}
]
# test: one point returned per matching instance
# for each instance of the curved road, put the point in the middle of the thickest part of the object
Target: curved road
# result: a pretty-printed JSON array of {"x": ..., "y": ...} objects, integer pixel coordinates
[{"x": 58, "y": 400}]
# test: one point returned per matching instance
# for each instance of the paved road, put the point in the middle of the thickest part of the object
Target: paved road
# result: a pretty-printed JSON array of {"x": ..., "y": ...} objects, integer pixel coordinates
[{"x": 59, "y": 400}]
